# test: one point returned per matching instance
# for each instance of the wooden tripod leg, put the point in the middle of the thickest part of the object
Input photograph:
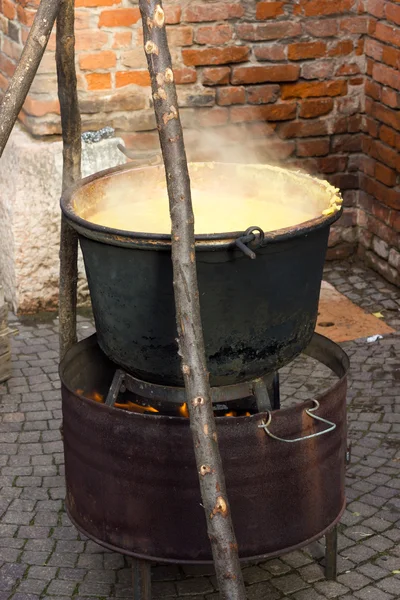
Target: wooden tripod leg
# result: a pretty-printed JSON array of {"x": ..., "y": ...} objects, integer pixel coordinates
[
  {"x": 141, "y": 579},
  {"x": 331, "y": 554}
]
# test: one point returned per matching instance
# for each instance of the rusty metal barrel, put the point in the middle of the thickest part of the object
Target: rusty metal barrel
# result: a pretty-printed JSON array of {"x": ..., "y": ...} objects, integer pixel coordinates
[{"x": 132, "y": 483}]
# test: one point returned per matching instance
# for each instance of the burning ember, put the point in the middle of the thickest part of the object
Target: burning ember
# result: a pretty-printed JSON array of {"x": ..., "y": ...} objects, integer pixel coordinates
[
  {"x": 131, "y": 406},
  {"x": 183, "y": 410}
]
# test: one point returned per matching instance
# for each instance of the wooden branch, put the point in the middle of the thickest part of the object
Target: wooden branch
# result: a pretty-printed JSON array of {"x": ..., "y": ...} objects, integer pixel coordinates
[
  {"x": 71, "y": 131},
  {"x": 27, "y": 66},
  {"x": 194, "y": 367}
]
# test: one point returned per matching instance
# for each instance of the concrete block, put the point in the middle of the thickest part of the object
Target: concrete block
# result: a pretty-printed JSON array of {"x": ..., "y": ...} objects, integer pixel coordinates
[{"x": 30, "y": 187}]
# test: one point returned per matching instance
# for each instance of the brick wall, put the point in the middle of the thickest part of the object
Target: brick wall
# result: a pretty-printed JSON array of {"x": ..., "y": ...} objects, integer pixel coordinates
[
  {"x": 285, "y": 79},
  {"x": 380, "y": 180}
]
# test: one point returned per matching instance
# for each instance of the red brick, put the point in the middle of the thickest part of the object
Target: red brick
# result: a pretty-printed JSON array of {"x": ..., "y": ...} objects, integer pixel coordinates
[
  {"x": 371, "y": 127},
  {"x": 391, "y": 56},
  {"x": 89, "y": 40},
  {"x": 25, "y": 15},
  {"x": 172, "y": 14},
  {"x": 216, "y": 76},
  {"x": 354, "y": 24},
  {"x": 387, "y": 33},
  {"x": 261, "y": 74},
  {"x": 271, "y": 53},
  {"x": 185, "y": 75},
  {"x": 215, "y": 11},
  {"x": 322, "y": 28},
  {"x": 119, "y": 17},
  {"x": 376, "y": 7},
  {"x": 268, "y": 31},
  {"x": 385, "y": 154},
  {"x": 303, "y": 129},
  {"x": 347, "y": 143},
  {"x": 6, "y": 65},
  {"x": 262, "y": 94},
  {"x": 269, "y": 10},
  {"x": 316, "y": 8},
  {"x": 214, "y": 35},
  {"x": 390, "y": 97},
  {"x": 389, "y": 136},
  {"x": 40, "y": 108},
  {"x": 317, "y": 69},
  {"x": 274, "y": 112},
  {"x": 181, "y": 35},
  {"x": 386, "y": 115},
  {"x": 360, "y": 47},
  {"x": 373, "y": 49},
  {"x": 139, "y": 77},
  {"x": 215, "y": 56},
  {"x": 122, "y": 39},
  {"x": 94, "y": 3},
  {"x": 231, "y": 95},
  {"x": 9, "y": 9},
  {"x": 341, "y": 48},
  {"x": 98, "y": 81},
  {"x": 395, "y": 221},
  {"x": 392, "y": 13},
  {"x": 313, "y": 147},
  {"x": 348, "y": 69},
  {"x": 100, "y": 60},
  {"x": 304, "y": 50},
  {"x": 314, "y": 89},
  {"x": 11, "y": 48},
  {"x": 212, "y": 117},
  {"x": 388, "y": 196},
  {"x": 385, "y": 175},
  {"x": 310, "y": 109},
  {"x": 83, "y": 19}
]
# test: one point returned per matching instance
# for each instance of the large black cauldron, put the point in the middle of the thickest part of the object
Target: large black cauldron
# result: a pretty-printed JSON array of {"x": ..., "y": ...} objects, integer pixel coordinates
[{"x": 257, "y": 314}]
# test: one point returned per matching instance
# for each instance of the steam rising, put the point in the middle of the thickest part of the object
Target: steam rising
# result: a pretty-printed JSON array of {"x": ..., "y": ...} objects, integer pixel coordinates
[{"x": 228, "y": 195}]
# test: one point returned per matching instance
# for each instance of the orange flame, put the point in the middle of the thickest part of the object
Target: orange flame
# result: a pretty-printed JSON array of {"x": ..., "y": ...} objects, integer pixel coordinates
[
  {"x": 231, "y": 413},
  {"x": 132, "y": 407},
  {"x": 184, "y": 411}
]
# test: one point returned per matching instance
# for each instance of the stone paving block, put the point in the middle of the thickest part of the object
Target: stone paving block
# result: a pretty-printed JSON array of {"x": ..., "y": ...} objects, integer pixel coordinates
[
  {"x": 275, "y": 566},
  {"x": 353, "y": 580},
  {"x": 288, "y": 584},
  {"x": 331, "y": 589},
  {"x": 261, "y": 591},
  {"x": 372, "y": 593},
  {"x": 308, "y": 594},
  {"x": 32, "y": 586},
  {"x": 196, "y": 586},
  {"x": 255, "y": 574}
]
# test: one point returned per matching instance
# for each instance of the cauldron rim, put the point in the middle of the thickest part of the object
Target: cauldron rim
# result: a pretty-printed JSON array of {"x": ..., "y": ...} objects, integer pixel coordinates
[{"x": 154, "y": 241}]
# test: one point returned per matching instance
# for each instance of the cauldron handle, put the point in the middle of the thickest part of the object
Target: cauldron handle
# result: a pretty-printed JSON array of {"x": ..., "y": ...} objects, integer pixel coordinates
[
  {"x": 309, "y": 412},
  {"x": 250, "y": 236}
]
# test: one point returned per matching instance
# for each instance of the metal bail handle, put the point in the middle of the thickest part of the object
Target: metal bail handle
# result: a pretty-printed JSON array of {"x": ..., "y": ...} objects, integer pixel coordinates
[
  {"x": 250, "y": 236},
  {"x": 308, "y": 411}
]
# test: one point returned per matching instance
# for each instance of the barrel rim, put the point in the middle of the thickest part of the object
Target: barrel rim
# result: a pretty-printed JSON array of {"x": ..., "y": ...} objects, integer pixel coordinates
[{"x": 154, "y": 241}]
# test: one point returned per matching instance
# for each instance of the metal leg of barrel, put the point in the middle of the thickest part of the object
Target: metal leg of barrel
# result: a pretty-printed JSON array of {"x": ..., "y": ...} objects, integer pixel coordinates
[
  {"x": 331, "y": 541},
  {"x": 141, "y": 579}
]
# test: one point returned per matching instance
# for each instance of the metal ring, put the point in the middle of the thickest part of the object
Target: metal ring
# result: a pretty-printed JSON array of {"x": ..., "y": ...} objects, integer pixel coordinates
[
  {"x": 250, "y": 236},
  {"x": 308, "y": 411}
]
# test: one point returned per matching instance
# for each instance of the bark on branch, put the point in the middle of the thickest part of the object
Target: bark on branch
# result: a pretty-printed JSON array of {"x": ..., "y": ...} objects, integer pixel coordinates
[
  {"x": 28, "y": 64},
  {"x": 194, "y": 367},
  {"x": 71, "y": 131}
]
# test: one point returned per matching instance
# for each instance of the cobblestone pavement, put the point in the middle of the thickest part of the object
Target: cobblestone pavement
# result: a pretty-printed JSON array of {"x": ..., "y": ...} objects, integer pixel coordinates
[{"x": 42, "y": 556}]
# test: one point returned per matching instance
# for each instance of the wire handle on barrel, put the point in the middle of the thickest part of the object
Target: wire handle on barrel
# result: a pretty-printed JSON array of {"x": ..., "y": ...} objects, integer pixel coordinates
[
  {"x": 308, "y": 411},
  {"x": 249, "y": 236}
]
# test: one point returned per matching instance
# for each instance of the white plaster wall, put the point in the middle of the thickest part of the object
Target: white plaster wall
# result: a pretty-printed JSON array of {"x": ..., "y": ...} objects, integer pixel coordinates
[{"x": 30, "y": 187}]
